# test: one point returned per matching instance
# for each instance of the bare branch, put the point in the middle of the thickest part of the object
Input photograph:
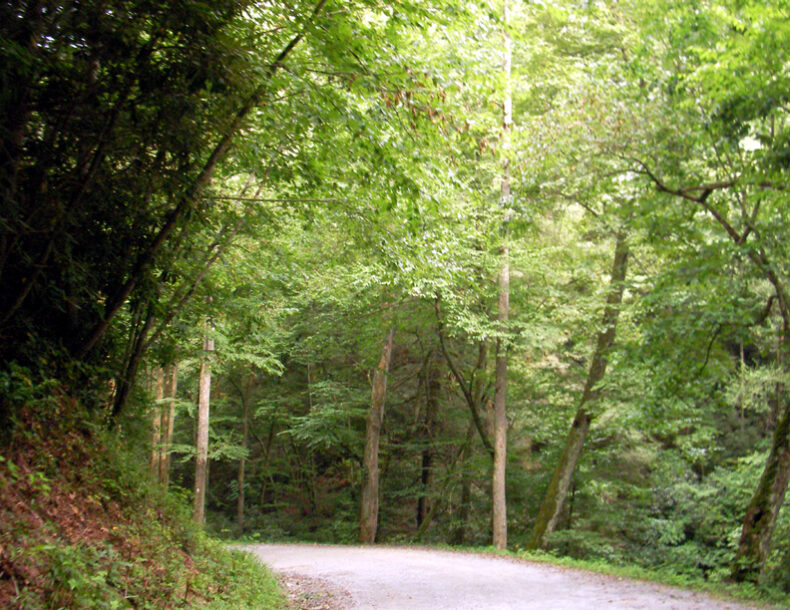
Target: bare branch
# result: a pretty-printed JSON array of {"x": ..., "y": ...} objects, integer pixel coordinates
[{"x": 264, "y": 200}]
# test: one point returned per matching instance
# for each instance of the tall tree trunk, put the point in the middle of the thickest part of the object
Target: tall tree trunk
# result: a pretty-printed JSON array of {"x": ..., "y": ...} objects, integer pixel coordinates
[
  {"x": 761, "y": 514},
  {"x": 763, "y": 510},
  {"x": 268, "y": 480},
  {"x": 369, "y": 514},
  {"x": 132, "y": 361},
  {"x": 201, "y": 441},
  {"x": 459, "y": 533},
  {"x": 557, "y": 492},
  {"x": 245, "y": 409},
  {"x": 155, "y": 459},
  {"x": 432, "y": 387},
  {"x": 168, "y": 421},
  {"x": 499, "y": 500}
]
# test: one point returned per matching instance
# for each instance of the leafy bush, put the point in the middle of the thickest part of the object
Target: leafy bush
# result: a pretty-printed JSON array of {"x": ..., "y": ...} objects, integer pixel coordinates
[{"x": 81, "y": 526}]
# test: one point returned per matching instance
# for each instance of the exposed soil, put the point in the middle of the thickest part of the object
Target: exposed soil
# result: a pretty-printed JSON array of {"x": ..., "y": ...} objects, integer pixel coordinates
[
  {"x": 340, "y": 578},
  {"x": 54, "y": 502},
  {"x": 37, "y": 509}
]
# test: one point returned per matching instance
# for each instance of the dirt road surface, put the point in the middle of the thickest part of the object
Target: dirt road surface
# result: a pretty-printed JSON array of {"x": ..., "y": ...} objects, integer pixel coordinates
[{"x": 397, "y": 578}]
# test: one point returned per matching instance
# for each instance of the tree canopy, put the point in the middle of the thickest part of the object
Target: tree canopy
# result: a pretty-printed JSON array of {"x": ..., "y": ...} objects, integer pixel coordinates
[{"x": 413, "y": 206}]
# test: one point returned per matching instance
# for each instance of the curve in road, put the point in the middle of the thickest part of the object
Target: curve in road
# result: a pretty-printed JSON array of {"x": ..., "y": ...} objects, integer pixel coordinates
[{"x": 403, "y": 578}]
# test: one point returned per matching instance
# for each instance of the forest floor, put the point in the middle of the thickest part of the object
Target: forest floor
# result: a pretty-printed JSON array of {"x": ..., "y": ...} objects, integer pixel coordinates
[
  {"x": 318, "y": 577},
  {"x": 80, "y": 527}
]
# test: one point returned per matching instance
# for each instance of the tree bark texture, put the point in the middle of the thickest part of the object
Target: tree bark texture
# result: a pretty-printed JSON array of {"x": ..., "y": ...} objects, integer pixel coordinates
[
  {"x": 498, "y": 479},
  {"x": 557, "y": 492},
  {"x": 368, "y": 521},
  {"x": 763, "y": 510},
  {"x": 499, "y": 506},
  {"x": 201, "y": 440}
]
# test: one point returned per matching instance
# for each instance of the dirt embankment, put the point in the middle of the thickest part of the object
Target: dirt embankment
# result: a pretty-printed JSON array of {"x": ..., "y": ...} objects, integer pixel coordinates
[{"x": 73, "y": 534}]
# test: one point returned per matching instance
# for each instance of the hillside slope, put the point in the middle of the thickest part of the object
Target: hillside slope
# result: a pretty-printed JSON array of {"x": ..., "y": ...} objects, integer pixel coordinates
[{"x": 80, "y": 527}]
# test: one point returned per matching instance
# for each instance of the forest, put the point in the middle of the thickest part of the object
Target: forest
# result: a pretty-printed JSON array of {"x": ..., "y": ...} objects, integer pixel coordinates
[{"x": 485, "y": 273}]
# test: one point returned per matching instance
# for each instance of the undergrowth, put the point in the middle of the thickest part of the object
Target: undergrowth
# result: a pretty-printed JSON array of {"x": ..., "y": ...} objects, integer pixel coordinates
[
  {"x": 82, "y": 527},
  {"x": 727, "y": 590}
]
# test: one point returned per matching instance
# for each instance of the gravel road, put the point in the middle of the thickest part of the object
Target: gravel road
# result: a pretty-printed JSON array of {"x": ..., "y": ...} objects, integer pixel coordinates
[{"x": 400, "y": 578}]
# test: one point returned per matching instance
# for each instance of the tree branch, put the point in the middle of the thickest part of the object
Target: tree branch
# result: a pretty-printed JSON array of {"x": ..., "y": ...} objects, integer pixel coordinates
[
  {"x": 704, "y": 191},
  {"x": 187, "y": 200},
  {"x": 470, "y": 401}
]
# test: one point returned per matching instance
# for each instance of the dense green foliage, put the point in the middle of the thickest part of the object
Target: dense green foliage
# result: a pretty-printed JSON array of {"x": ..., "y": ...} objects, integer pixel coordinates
[
  {"x": 294, "y": 179},
  {"x": 108, "y": 117},
  {"x": 81, "y": 527}
]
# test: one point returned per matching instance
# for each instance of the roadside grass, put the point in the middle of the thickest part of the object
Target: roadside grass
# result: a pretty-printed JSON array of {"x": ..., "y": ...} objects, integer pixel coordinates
[
  {"x": 744, "y": 592},
  {"x": 82, "y": 526}
]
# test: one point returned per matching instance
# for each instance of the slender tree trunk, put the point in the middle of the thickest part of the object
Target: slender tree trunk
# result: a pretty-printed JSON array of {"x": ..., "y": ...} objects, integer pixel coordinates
[
  {"x": 423, "y": 502},
  {"x": 132, "y": 364},
  {"x": 240, "y": 498},
  {"x": 154, "y": 463},
  {"x": 245, "y": 409},
  {"x": 168, "y": 421},
  {"x": 368, "y": 521},
  {"x": 569, "y": 521},
  {"x": 499, "y": 500},
  {"x": 498, "y": 479},
  {"x": 459, "y": 533},
  {"x": 557, "y": 492},
  {"x": 267, "y": 463},
  {"x": 474, "y": 393},
  {"x": 427, "y": 454},
  {"x": 479, "y": 391},
  {"x": 201, "y": 441}
]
